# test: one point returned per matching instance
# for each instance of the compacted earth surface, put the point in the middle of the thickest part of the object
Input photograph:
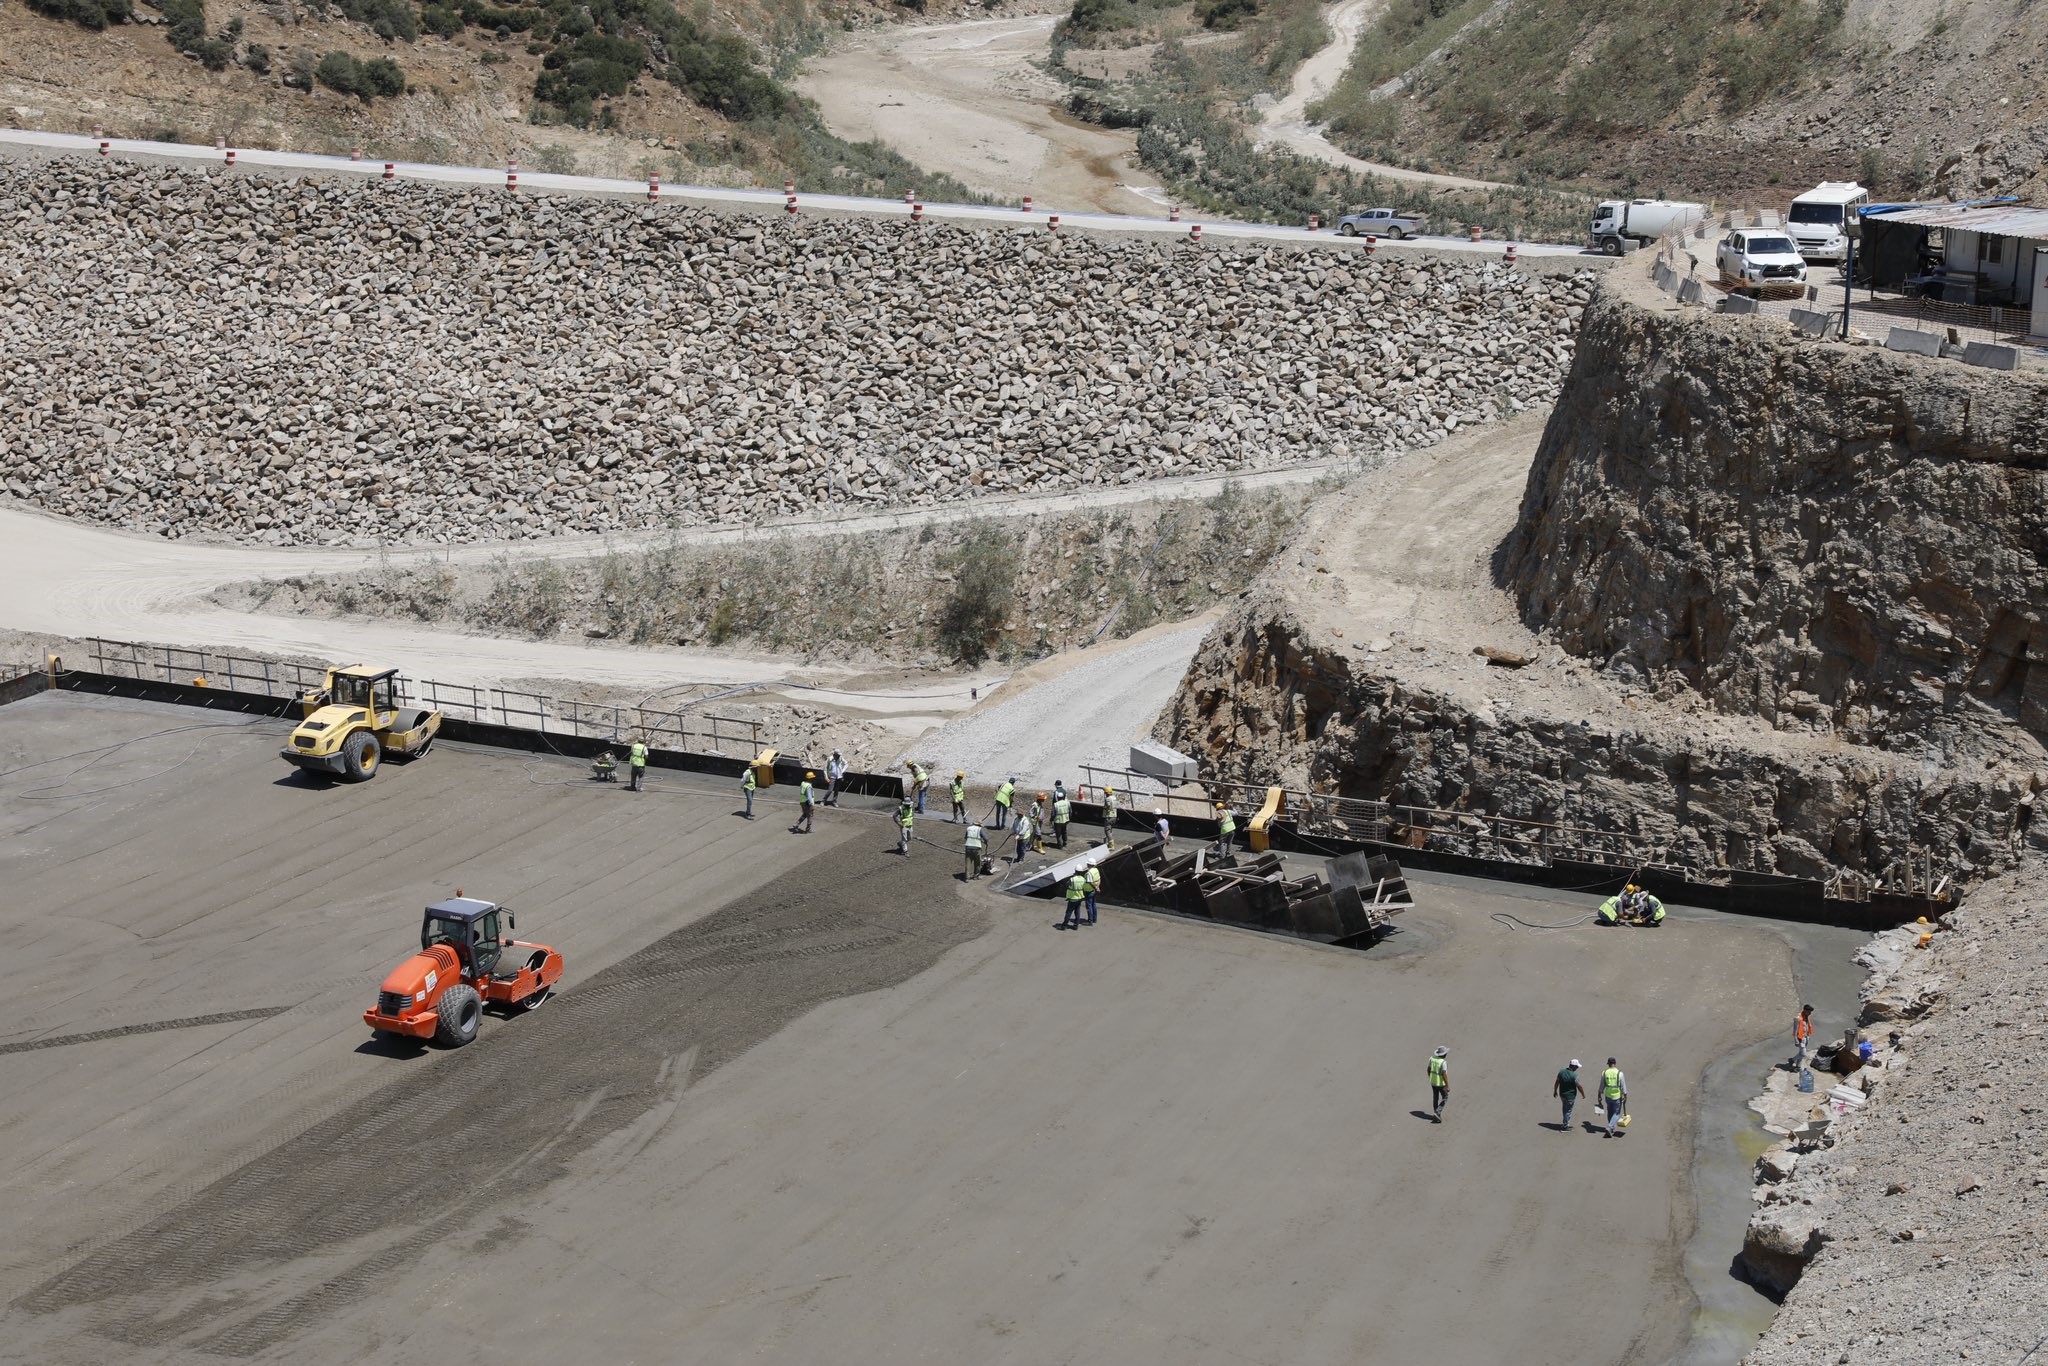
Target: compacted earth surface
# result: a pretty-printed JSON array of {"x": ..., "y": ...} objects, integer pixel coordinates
[{"x": 799, "y": 1097}]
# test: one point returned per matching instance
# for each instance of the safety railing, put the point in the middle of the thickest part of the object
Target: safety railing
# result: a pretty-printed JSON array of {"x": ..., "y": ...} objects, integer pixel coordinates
[
  {"x": 1316, "y": 813},
  {"x": 666, "y": 728}
]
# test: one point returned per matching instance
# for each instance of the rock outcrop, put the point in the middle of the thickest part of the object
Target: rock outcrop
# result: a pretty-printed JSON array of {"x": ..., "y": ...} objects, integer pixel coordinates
[
  {"x": 1925, "y": 1209},
  {"x": 1823, "y": 536},
  {"x": 297, "y": 361},
  {"x": 1783, "y": 600}
]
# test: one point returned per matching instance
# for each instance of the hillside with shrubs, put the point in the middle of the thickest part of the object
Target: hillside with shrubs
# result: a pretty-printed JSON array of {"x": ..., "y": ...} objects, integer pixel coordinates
[{"x": 613, "y": 87}]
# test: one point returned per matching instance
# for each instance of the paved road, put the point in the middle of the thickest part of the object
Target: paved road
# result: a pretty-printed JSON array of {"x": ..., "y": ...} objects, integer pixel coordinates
[{"x": 754, "y": 201}]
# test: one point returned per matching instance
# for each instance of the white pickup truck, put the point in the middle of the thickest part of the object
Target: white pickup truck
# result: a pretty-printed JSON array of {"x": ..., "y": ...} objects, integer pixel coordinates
[{"x": 1381, "y": 223}]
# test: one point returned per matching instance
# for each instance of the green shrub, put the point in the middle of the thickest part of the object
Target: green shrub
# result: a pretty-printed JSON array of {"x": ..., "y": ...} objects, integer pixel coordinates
[
  {"x": 443, "y": 21},
  {"x": 1225, "y": 14},
  {"x": 388, "y": 19},
  {"x": 596, "y": 64},
  {"x": 339, "y": 71},
  {"x": 718, "y": 73},
  {"x": 257, "y": 59},
  {"x": 381, "y": 76},
  {"x": 187, "y": 20},
  {"x": 92, "y": 14},
  {"x": 984, "y": 568}
]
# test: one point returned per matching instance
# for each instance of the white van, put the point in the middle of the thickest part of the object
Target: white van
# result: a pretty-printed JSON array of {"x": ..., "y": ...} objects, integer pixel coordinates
[{"x": 1823, "y": 218}]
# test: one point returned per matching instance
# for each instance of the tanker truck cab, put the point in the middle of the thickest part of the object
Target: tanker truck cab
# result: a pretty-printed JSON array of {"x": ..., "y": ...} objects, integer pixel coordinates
[{"x": 1822, "y": 220}]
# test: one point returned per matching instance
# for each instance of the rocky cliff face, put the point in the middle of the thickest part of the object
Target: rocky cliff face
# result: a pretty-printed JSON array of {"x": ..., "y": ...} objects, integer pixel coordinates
[
  {"x": 1271, "y": 698},
  {"x": 1810, "y": 533},
  {"x": 1778, "y": 606}
]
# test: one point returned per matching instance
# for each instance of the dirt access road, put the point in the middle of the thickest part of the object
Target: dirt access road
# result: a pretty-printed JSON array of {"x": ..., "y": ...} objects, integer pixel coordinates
[
  {"x": 800, "y": 1099},
  {"x": 58, "y": 578},
  {"x": 970, "y": 99},
  {"x": 1284, "y": 122}
]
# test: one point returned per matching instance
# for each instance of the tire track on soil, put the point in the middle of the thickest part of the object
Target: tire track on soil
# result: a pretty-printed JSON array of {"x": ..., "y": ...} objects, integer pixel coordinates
[{"x": 319, "y": 1222}]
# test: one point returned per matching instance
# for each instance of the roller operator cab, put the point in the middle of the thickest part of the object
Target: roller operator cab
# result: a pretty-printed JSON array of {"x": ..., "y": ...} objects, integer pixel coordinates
[
  {"x": 465, "y": 962},
  {"x": 357, "y": 721}
]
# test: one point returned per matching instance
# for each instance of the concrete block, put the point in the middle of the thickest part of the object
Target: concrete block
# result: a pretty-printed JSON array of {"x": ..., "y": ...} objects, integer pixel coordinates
[
  {"x": 1992, "y": 355},
  {"x": 1156, "y": 760},
  {"x": 1813, "y": 322},
  {"x": 1661, "y": 273},
  {"x": 1913, "y": 342},
  {"x": 1737, "y": 303},
  {"x": 1689, "y": 292}
]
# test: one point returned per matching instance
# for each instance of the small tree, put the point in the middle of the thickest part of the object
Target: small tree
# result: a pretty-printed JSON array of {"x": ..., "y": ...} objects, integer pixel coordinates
[{"x": 984, "y": 570}]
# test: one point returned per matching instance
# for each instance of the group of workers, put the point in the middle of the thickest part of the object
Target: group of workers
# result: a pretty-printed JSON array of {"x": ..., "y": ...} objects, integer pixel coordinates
[
  {"x": 1567, "y": 1088},
  {"x": 1631, "y": 906}
]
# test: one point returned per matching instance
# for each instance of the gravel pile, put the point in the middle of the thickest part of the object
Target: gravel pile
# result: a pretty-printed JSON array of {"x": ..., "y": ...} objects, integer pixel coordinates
[
  {"x": 303, "y": 361},
  {"x": 1920, "y": 1231}
]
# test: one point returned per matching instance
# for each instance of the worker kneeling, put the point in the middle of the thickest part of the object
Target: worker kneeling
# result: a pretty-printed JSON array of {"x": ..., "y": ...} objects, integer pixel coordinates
[
  {"x": 1646, "y": 910},
  {"x": 1610, "y": 911}
]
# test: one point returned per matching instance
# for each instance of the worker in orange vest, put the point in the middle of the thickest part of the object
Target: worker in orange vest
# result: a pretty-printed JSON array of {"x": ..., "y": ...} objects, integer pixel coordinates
[{"x": 1802, "y": 1036}]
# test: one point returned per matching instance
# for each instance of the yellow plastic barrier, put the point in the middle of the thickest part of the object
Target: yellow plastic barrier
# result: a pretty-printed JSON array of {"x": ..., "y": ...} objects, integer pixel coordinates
[
  {"x": 764, "y": 768},
  {"x": 1257, "y": 839}
]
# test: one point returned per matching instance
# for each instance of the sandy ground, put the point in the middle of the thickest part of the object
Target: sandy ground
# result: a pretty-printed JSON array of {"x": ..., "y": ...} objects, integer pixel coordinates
[
  {"x": 1284, "y": 122},
  {"x": 824, "y": 1104},
  {"x": 58, "y": 578},
  {"x": 970, "y": 99}
]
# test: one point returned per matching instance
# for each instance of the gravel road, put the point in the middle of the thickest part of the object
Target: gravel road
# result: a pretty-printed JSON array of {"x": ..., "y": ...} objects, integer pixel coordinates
[
  {"x": 1087, "y": 713},
  {"x": 1284, "y": 123}
]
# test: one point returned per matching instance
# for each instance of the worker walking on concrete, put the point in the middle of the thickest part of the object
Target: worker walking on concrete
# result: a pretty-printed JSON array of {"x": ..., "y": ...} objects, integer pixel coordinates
[
  {"x": 1022, "y": 831},
  {"x": 959, "y": 798},
  {"x": 835, "y": 777},
  {"x": 1005, "y": 795},
  {"x": 637, "y": 757},
  {"x": 1439, "y": 1081},
  {"x": 806, "y": 805},
  {"x": 1569, "y": 1089},
  {"x": 1062, "y": 812},
  {"x": 1802, "y": 1036},
  {"x": 905, "y": 814},
  {"x": 1108, "y": 817},
  {"x": 1094, "y": 875},
  {"x": 748, "y": 783},
  {"x": 1226, "y": 831},
  {"x": 919, "y": 781},
  {"x": 977, "y": 842},
  {"x": 1077, "y": 892},
  {"x": 1614, "y": 1096}
]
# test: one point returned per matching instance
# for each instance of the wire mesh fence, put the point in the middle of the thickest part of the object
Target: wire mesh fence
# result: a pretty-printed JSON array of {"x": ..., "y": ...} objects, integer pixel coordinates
[
  {"x": 1872, "y": 311},
  {"x": 668, "y": 728}
]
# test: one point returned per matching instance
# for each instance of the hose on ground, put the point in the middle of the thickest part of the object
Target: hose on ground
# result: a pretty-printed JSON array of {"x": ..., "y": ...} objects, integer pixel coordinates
[{"x": 1511, "y": 920}]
